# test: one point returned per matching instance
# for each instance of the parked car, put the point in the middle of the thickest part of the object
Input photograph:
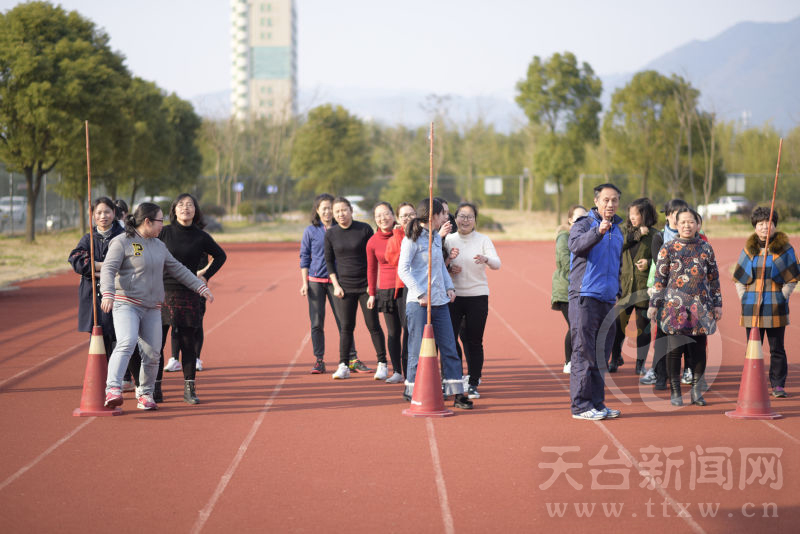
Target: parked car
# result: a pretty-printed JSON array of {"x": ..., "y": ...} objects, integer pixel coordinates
[
  {"x": 725, "y": 207},
  {"x": 15, "y": 209}
]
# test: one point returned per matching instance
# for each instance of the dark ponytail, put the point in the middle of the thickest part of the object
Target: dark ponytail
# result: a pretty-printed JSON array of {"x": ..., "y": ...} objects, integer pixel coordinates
[
  {"x": 414, "y": 226},
  {"x": 145, "y": 210}
]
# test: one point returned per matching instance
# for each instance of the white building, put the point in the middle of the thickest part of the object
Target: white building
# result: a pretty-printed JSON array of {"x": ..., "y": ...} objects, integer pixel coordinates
[{"x": 264, "y": 59}]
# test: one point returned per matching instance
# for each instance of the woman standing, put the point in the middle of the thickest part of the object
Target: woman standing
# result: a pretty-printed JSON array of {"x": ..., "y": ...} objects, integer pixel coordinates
[
  {"x": 637, "y": 232},
  {"x": 346, "y": 258},
  {"x": 381, "y": 276},
  {"x": 405, "y": 213},
  {"x": 471, "y": 252},
  {"x": 779, "y": 283},
  {"x": 413, "y": 270},
  {"x": 686, "y": 302},
  {"x": 559, "y": 299},
  {"x": 106, "y": 229},
  {"x": 316, "y": 284},
  {"x": 132, "y": 285},
  {"x": 183, "y": 309}
]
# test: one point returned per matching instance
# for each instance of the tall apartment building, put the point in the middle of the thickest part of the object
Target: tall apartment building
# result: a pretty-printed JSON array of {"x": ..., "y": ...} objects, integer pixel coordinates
[{"x": 264, "y": 59}]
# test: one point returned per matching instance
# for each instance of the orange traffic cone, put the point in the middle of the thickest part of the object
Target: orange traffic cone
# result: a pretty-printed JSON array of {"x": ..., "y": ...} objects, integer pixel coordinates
[
  {"x": 94, "y": 381},
  {"x": 427, "y": 400},
  {"x": 753, "y": 397}
]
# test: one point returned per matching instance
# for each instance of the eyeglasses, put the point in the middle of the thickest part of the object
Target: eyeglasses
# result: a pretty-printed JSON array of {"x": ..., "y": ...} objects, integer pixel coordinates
[
  {"x": 157, "y": 220},
  {"x": 408, "y": 216},
  {"x": 466, "y": 217}
]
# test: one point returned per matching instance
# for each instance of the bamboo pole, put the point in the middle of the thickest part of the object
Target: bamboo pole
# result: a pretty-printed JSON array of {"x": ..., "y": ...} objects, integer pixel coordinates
[
  {"x": 760, "y": 289},
  {"x": 430, "y": 227},
  {"x": 91, "y": 233}
]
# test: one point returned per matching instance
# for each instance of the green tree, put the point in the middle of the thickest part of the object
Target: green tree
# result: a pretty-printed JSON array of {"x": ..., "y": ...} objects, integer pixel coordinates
[
  {"x": 56, "y": 70},
  {"x": 564, "y": 98},
  {"x": 331, "y": 151}
]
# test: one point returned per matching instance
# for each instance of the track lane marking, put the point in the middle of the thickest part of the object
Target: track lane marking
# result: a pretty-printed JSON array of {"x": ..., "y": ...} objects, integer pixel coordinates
[
  {"x": 208, "y": 509},
  {"x": 660, "y": 489},
  {"x": 46, "y": 453},
  {"x": 725, "y": 337},
  {"x": 441, "y": 488},
  {"x": 41, "y": 364}
]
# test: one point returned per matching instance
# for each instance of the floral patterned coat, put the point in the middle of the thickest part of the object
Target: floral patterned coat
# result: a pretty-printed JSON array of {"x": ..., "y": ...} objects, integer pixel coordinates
[{"x": 686, "y": 288}]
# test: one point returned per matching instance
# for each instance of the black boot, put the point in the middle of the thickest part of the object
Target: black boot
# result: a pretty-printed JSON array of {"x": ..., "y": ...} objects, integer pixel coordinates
[
  {"x": 189, "y": 393},
  {"x": 697, "y": 390},
  {"x": 463, "y": 402},
  {"x": 639, "y": 367},
  {"x": 158, "y": 395},
  {"x": 612, "y": 365},
  {"x": 675, "y": 392},
  {"x": 620, "y": 361}
]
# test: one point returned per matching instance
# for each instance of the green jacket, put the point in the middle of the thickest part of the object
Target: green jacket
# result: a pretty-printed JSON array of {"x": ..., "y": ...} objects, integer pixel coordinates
[
  {"x": 632, "y": 279},
  {"x": 561, "y": 274}
]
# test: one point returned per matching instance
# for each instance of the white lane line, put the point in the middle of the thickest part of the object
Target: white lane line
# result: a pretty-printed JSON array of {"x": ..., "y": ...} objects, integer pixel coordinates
[
  {"x": 249, "y": 301},
  {"x": 644, "y": 472},
  {"x": 205, "y": 513},
  {"x": 444, "y": 503},
  {"x": 43, "y": 363},
  {"x": 42, "y": 456}
]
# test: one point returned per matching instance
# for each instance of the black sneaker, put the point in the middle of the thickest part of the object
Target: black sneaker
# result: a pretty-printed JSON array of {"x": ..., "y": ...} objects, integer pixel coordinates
[
  {"x": 463, "y": 402},
  {"x": 472, "y": 392},
  {"x": 319, "y": 367},
  {"x": 357, "y": 366}
]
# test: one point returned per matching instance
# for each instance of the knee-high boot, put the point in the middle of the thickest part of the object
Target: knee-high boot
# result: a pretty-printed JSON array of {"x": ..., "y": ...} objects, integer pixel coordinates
[
  {"x": 697, "y": 390},
  {"x": 675, "y": 392}
]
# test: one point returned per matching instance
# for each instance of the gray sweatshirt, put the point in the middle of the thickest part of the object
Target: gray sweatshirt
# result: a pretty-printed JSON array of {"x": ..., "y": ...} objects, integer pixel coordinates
[{"x": 133, "y": 271}]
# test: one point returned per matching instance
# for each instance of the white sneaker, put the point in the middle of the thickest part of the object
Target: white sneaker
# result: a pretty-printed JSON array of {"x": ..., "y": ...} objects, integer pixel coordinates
[
  {"x": 199, "y": 365},
  {"x": 687, "y": 376},
  {"x": 395, "y": 379},
  {"x": 567, "y": 368},
  {"x": 173, "y": 365},
  {"x": 342, "y": 372},
  {"x": 590, "y": 415},
  {"x": 382, "y": 372}
]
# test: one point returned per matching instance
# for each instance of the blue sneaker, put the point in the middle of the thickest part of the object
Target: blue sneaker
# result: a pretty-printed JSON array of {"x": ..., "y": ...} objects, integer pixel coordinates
[
  {"x": 590, "y": 415},
  {"x": 609, "y": 413}
]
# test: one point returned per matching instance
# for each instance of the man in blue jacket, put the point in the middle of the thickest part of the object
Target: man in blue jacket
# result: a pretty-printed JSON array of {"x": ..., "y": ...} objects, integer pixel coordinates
[{"x": 595, "y": 244}]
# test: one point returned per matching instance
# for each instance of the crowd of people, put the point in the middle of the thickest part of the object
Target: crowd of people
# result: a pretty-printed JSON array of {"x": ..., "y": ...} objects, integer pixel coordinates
[
  {"x": 608, "y": 269},
  {"x": 385, "y": 272},
  {"x": 152, "y": 278},
  {"x": 148, "y": 278}
]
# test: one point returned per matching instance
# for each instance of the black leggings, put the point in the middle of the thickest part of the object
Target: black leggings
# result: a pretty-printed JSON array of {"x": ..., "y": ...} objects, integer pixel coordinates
[
  {"x": 642, "y": 329},
  {"x": 563, "y": 307},
  {"x": 474, "y": 311},
  {"x": 187, "y": 342},
  {"x": 176, "y": 347},
  {"x": 348, "y": 306},
  {"x": 695, "y": 349},
  {"x": 397, "y": 334}
]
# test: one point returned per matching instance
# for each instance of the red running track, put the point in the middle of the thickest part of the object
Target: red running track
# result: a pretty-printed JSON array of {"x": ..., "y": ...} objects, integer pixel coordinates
[{"x": 275, "y": 449}]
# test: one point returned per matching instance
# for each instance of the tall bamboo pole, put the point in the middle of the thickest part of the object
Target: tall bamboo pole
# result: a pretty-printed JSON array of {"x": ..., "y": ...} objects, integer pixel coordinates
[
  {"x": 760, "y": 289},
  {"x": 91, "y": 233},
  {"x": 430, "y": 228}
]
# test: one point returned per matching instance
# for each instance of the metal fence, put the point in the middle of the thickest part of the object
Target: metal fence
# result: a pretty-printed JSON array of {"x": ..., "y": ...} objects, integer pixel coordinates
[{"x": 52, "y": 211}]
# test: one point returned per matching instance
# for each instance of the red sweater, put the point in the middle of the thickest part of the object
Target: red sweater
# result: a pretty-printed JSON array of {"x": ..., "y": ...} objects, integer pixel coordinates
[{"x": 377, "y": 263}]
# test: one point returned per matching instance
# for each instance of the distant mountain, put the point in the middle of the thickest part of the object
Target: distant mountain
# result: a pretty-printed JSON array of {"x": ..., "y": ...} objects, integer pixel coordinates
[{"x": 748, "y": 72}]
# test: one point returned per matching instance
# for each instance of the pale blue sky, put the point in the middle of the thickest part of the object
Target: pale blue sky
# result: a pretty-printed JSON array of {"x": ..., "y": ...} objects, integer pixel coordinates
[{"x": 466, "y": 47}]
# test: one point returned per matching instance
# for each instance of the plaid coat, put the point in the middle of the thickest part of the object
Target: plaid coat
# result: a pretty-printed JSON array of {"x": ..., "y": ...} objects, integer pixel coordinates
[{"x": 782, "y": 268}]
